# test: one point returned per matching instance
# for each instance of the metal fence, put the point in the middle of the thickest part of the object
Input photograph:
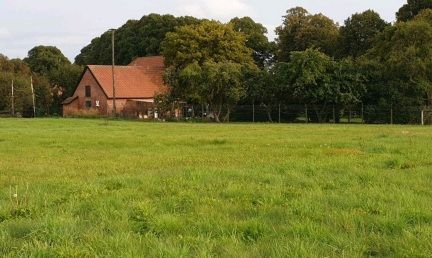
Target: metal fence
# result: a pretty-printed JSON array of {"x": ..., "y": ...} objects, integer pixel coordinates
[{"x": 356, "y": 114}]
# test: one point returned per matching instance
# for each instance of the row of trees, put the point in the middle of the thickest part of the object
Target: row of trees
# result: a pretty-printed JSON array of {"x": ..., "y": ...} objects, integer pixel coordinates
[
  {"x": 54, "y": 79},
  {"x": 313, "y": 61},
  {"x": 17, "y": 73}
]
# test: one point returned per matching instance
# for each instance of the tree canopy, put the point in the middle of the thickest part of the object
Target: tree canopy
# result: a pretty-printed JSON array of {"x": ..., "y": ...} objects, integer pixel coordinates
[
  {"x": 301, "y": 30},
  {"x": 205, "y": 63},
  {"x": 136, "y": 38},
  {"x": 49, "y": 62},
  {"x": 18, "y": 72},
  {"x": 412, "y": 8},
  {"x": 256, "y": 39},
  {"x": 406, "y": 52},
  {"x": 358, "y": 33}
]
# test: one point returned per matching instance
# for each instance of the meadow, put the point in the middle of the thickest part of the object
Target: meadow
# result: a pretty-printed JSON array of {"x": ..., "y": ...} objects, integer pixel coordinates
[{"x": 86, "y": 188}]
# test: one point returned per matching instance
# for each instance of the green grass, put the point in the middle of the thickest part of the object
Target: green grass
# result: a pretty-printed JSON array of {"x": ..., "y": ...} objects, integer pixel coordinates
[{"x": 129, "y": 189}]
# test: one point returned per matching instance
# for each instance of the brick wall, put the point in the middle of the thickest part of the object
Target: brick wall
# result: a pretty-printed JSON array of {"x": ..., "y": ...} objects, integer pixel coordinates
[{"x": 97, "y": 95}]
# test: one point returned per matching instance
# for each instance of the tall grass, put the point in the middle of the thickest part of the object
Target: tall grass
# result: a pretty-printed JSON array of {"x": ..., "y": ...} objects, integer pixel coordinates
[{"x": 132, "y": 189}]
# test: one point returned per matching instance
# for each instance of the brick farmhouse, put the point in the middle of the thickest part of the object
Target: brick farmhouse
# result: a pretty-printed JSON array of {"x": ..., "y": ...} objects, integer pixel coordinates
[{"x": 136, "y": 86}]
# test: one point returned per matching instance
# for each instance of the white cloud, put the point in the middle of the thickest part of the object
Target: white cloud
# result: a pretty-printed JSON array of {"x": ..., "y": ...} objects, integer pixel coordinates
[
  {"x": 220, "y": 9},
  {"x": 4, "y": 33}
]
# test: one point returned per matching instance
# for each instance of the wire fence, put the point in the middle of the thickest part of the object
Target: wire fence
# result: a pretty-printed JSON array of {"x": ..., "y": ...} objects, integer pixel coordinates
[{"x": 355, "y": 114}]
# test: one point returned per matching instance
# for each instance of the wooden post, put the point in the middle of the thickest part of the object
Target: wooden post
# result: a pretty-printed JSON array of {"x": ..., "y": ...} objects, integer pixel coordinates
[
  {"x": 306, "y": 112},
  {"x": 13, "y": 100},
  {"x": 113, "y": 73},
  {"x": 362, "y": 112},
  {"x": 33, "y": 96}
]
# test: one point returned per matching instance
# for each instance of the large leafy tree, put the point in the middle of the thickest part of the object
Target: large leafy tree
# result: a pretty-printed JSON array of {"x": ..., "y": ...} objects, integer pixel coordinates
[
  {"x": 206, "y": 64},
  {"x": 134, "y": 39},
  {"x": 49, "y": 62},
  {"x": 406, "y": 51},
  {"x": 301, "y": 30},
  {"x": 412, "y": 8},
  {"x": 256, "y": 39},
  {"x": 317, "y": 80},
  {"x": 403, "y": 57},
  {"x": 358, "y": 33},
  {"x": 43, "y": 59}
]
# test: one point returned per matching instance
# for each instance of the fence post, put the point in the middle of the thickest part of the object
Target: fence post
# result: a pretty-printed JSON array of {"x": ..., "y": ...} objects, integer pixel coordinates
[
  {"x": 306, "y": 112},
  {"x": 422, "y": 117},
  {"x": 253, "y": 112},
  {"x": 279, "y": 113},
  {"x": 391, "y": 114},
  {"x": 362, "y": 113},
  {"x": 334, "y": 115},
  {"x": 350, "y": 115},
  {"x": 13, "y": 100}
]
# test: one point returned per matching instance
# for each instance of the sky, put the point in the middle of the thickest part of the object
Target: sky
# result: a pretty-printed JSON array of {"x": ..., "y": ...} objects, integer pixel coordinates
[{"x": 72, "y": 24}]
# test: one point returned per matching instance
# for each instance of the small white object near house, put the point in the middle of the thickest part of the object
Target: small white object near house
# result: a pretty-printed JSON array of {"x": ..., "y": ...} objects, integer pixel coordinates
[{"x": 97, "y": 103}]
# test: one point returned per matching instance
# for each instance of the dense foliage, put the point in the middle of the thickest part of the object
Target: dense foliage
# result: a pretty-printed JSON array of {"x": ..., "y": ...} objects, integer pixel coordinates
[
  {"x": 49, "y": 62},
  {"x": 412, "y": 8},
  {"x": 205, "y": 63},
  {"x": 136, "y": 38},
  {"x": 256, "y": 39},
  {"x": 358, "y": 33},
  {"x": 18, "y": 73},
  {"x": 313, "y": 62},
  {"x": 301, "y": 30}
]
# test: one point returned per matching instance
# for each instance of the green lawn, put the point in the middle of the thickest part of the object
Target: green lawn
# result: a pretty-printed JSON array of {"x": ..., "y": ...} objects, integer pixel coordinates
[{"x": 131, "y": 189}]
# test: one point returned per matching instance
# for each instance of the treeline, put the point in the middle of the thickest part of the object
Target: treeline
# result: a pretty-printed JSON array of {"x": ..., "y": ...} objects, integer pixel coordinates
[
  {"x": 314, "y": 61},
  {"x": 54, "y": 79}
]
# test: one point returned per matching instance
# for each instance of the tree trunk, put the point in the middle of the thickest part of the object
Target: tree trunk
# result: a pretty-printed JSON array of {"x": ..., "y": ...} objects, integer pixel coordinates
[{"x": 227, "y": 116}]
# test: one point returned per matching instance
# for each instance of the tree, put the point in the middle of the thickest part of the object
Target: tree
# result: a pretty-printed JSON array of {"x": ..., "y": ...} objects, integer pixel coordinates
[
  {"x": 256, "y": 39},
  {"x": 43, "y": 59},
  {"x": 310, "y": 77},
  {"x": 134, "y": 39},
  {"x": 317, "y": 80},
  {"x": 358, "y": 33},
  {"x": 49, "y": 62},
  {"x": 404, "y": 56},
  {"x": 206, "y": 64},
  {"x": 412, "y": 8},
  {"x": 20, "y": 73},
  {"x": 301, "y": 30},
  {"x": 406, "y": 51}
]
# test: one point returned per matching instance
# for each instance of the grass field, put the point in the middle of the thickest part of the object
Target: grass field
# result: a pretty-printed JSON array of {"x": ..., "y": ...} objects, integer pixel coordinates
[{"x": 84, "y": 188}]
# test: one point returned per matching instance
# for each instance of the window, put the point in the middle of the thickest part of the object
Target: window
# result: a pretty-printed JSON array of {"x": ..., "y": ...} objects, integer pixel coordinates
[
  {"x": 88, "y": 104},
  {"x": 88, "y": 91}
]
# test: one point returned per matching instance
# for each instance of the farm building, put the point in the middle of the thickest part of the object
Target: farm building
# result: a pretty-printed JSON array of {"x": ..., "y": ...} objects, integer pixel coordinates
[{"x": 136, "y": 86}]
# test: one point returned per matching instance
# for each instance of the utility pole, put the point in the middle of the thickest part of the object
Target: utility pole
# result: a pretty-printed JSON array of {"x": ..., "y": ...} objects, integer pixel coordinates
[
  {"x": 113, "y": 72},
  {"x": 33, "y": 96},
  {"x": 13, "y": 100}
]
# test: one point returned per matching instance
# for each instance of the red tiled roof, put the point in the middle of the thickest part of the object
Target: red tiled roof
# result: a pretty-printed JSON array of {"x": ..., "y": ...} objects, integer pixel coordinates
[{"x": 143, "y": 78}]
